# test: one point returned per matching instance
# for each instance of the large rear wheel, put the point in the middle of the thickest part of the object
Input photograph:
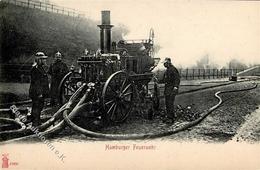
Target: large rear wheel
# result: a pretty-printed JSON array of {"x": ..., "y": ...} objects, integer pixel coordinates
[{"x": 117, "y": 97}]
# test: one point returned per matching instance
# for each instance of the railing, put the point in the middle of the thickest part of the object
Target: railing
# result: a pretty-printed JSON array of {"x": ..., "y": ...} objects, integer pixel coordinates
[
  {"x": 137, "y": 41},
  {"x": 191, "y": 74},
  {"x": 45, "y": 7}
]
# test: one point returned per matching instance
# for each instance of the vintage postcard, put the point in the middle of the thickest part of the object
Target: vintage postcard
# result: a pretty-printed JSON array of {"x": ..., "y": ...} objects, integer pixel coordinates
[{"x": 120, "y": 84}]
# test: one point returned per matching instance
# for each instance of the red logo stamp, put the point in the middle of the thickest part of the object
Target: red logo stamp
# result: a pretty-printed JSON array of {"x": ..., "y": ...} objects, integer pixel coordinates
[{"x": 5, "y": 161}]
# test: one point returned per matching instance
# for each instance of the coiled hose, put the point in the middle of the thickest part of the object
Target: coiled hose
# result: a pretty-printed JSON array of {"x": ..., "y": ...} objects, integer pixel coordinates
[
  {"x": 19, "y": 123},
  {"x": 27, "y": 131}
]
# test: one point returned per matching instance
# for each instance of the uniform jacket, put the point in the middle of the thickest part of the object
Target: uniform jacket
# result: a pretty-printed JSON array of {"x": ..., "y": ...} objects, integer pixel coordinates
[
  {"x": 57, "y": 71},
  {"x": 39, "y": 82},
  {"x": 171, "y": 79}
]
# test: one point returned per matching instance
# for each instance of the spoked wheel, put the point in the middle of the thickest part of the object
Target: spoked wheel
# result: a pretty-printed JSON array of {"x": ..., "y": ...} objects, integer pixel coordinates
[
  {"x": 117, "y": 97},
  {"x": 68, "y": 86}
]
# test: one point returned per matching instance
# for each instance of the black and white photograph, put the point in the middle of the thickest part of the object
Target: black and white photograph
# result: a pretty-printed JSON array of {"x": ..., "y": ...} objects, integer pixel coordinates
[{"x": 120, "y": 84}]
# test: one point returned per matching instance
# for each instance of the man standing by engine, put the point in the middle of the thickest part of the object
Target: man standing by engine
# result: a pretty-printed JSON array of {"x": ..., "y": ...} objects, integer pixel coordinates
[
  {"x": 57, "y": 71},
  {"x": 172, "y": 81},
  {"x": 39, "y": 87}
]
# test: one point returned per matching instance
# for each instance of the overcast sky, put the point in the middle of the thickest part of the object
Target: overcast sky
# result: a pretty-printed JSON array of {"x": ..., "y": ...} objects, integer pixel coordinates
[{"x": 186, "y": 30}]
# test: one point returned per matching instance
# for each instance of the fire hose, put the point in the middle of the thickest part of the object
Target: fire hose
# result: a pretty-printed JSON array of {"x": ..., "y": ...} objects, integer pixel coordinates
[
  {"x": 150, "y": 135},
  {"x": 81, "y": 105},
  {"x": 27, "y": 131},
  {"x": 19, "y": 123}
]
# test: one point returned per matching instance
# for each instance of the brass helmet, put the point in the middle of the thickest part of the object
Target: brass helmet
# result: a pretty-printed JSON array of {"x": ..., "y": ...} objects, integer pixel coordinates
[
  {"x": 40, "y": 55},
  {"x": 58, "y": 56}
]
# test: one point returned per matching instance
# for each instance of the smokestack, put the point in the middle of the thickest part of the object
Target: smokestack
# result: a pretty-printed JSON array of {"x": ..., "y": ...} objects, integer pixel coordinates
[{"x": 105, "y": 32}]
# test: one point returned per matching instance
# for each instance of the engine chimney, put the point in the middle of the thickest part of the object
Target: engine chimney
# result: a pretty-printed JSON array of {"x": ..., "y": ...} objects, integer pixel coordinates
[{"x": 105, "y": 32}]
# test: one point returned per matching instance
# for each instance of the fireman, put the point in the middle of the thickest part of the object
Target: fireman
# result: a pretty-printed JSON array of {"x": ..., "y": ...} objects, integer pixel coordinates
[
  {"x": 39, "y": 87},
  {"x": 57, "y": 71},
  {"x": 172, "y": 81}
]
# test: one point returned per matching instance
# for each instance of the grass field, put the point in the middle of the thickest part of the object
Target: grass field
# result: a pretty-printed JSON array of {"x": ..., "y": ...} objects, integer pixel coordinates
[{"x": 10, "y": 92}]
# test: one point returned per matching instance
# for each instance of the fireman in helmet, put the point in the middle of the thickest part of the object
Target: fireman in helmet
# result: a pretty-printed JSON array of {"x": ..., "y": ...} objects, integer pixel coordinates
[
  {"x": 172, "y": 81},
  {"x": 57, "y": 71},
  {"x": 39, "y": 87}
]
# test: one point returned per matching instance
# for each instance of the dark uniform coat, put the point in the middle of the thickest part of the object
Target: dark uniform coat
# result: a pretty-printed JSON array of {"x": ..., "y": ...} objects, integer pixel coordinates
[
  {"x": 171, "y": 79},
  {"x": 39, "y": 89},
  {"x": 57, "y": 71},
  {"x": 39, "y": 82}
]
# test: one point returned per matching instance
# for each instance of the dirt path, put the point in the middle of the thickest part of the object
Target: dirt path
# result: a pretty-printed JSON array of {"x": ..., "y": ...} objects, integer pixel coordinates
[
  {"x": 222, "y": 124},
  {"x": 250, "y": 130}
]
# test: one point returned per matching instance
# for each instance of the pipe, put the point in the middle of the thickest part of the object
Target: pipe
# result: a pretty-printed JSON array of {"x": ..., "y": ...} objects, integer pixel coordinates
[{"x": 105, "y": 32}]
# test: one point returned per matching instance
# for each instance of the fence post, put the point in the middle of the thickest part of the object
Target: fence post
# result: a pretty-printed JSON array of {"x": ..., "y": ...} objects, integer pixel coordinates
[
  {"x": 193, "y": 73},
  {"x": 187, "y": 70},
  {"x": 180, "y": 70},
  {"x": 217, "y": 73},
  {"x": 52, "y": 8},
  {"x": 62, "y": 10},
  {"x": 199, "y": 74},
  {"x": 40, "y": 5},
  {"x": 28, "y": 4}
]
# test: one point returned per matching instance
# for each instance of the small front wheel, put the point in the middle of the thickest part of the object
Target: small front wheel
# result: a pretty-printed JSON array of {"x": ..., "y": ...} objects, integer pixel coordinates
[{"x": 68, "y": 86}]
